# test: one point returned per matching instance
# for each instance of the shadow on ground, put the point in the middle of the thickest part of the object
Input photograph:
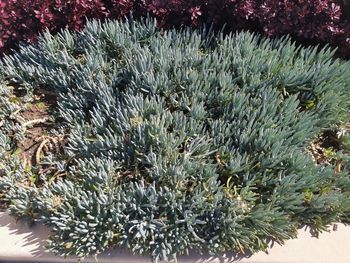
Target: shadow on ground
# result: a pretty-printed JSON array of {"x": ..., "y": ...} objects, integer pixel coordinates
[{"x": 21, "y": 242}]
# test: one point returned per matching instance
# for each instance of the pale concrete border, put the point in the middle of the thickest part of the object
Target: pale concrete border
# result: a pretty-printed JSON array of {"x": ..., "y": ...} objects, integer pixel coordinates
[{"x": 20, "y": 243}]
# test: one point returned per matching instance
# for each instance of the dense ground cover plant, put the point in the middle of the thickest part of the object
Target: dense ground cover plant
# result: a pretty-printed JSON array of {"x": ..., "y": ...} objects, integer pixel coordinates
[
  {"x": 316, "y": 21},
  {"x": 171, "y": 140}
]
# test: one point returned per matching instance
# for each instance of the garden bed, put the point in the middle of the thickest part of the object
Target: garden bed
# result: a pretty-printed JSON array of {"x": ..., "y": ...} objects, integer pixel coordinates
[{"x": 164, "y": 142}]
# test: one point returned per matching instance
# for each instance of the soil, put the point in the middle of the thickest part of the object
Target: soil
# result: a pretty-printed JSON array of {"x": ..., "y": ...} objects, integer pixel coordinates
[
  {"x": 318, "y": 148},
  {"x": 324, "y": 149},
  {"x": 37, "y": 120}
]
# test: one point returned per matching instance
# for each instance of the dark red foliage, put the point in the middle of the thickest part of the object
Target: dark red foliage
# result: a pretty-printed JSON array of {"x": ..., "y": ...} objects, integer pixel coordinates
[
  {"x": 23, "y": 20},
  {"x": 308, "y": 21}
]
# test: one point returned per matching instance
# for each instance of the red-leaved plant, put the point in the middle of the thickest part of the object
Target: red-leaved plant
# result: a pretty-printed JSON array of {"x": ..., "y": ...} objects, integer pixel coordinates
[{"x": 23, "y": 20}]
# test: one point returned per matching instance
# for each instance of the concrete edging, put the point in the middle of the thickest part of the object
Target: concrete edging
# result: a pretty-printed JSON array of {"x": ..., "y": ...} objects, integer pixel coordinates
[{"x": 20, "y": 243}]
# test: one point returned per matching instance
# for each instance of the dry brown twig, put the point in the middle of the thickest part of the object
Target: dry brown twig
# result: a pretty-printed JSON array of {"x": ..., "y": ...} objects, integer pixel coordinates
[
  {"x": 26, "y": 162},
  {"x": 39, "y": 150},
  {"x": 46, "y": 144},
  {"x": 34, "y": 122}
]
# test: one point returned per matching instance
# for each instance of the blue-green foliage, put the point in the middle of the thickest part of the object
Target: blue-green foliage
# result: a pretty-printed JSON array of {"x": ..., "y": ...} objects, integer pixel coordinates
[{"x": 179, "y": 140}]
